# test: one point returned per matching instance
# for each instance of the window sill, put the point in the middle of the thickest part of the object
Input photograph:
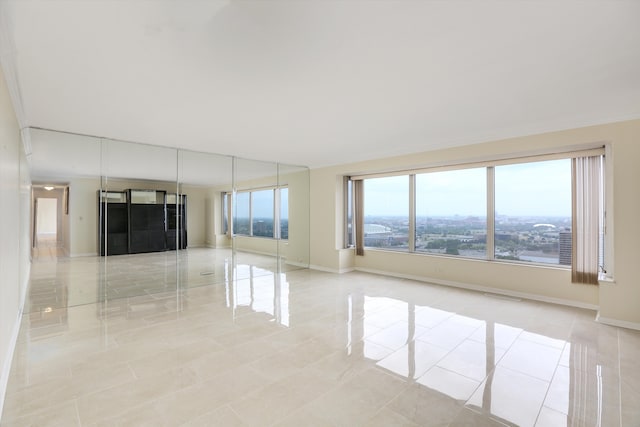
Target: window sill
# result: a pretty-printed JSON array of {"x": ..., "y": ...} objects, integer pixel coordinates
[
  {"x": 259, "y": 237},
  {"x": 462, "y": 258},
  {"x": 605, "y": 280}
]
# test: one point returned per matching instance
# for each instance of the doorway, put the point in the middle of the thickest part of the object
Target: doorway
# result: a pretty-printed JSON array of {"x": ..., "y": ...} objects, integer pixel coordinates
[
  {"x": 46, "y": 226},
  {"x": 47, "y": 238}
]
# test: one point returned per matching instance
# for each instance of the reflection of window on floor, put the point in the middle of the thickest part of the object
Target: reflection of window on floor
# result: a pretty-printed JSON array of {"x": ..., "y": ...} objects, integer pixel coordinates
[{"x": 262, "y": 291}]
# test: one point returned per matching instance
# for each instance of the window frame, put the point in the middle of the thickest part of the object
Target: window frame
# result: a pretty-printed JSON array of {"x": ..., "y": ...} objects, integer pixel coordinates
[
  {"x": 253, "y": 204},
  {"x": 603, "y": 150},
  {"x": 408, "y": 186},
  {"x": 228, "y": 212},
  {"x": 415, "y": 209}
]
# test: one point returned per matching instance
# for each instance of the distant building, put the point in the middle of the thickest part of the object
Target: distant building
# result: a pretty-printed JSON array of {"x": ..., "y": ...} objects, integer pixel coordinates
[
  {"x": 377, "y": 235},
  {"x": 565, "y": 248}
]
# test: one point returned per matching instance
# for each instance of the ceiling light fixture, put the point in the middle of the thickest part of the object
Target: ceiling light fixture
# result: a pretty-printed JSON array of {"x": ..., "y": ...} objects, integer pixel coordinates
[{"x": 48, "y": 187}]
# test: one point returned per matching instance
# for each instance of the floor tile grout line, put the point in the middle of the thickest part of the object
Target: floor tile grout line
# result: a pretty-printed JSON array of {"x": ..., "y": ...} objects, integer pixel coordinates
[
  {"x": 75, "y": 403},
  {"x": 550, "y": 384}
]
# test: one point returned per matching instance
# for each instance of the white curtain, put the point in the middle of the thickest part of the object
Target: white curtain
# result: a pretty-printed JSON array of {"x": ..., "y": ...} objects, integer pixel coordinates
[
  {"x": 358, "y": 212},
  {"x": 586, "y": 193}
]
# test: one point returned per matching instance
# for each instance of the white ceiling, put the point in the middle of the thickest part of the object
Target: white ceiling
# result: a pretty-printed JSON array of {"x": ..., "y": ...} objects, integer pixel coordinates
[{"x": 321, "y": 82}]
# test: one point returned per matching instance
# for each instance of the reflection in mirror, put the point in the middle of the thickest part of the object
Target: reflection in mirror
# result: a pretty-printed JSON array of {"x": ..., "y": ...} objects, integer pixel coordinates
[
  {"x": 137, "y": 223},
  {"x": 271, "y": 215},
  {"x": 293, "y": 247},
  {"x": 134, "y": 233},
  {"x": 253, "y": 205},
  {"x": 204, "y": 180},
  {"x": 71, "y": 165}
]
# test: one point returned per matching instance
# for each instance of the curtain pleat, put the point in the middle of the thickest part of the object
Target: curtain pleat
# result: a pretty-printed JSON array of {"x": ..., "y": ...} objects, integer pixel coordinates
[{"x": 585, "y": 230}]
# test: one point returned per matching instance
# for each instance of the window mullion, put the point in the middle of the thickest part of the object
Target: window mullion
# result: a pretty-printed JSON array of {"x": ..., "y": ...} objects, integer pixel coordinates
[
  {"x": 226, "y": 204},
  {"x": 276, "y": 213},
  {"x": 412, "y": 213},
  {"x": 250, "y": 213},
  {"x": 491, "y": 214}
]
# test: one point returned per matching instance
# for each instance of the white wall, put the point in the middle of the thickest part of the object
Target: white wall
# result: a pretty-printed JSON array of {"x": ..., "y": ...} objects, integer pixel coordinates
[
  {"x": 617, "y": 302},
  {"x": 47, "y": 221},
  {"x": 14, "y": 229}
]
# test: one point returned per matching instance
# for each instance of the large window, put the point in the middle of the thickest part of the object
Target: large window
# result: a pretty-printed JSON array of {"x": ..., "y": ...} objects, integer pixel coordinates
[
  {"x": 510, "y": 210},
  {"x": 242, "y": 214},
  {"x": 386, "y": 212},
  {"x": 533, "y": 212},
  {"x": 451, "y": 209},
  {"x": 258, "y": 212},
  {"x": 262, "y": 213}
]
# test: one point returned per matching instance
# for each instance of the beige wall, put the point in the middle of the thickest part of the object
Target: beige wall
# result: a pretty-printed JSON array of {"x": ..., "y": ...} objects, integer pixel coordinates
[
  {"x": 196, "y": 215},
  {"x": 214, "y": 235},
  {"x": 15, "y": 202},
  {"x": 258, "y": 245},
  {"x": 617, "y": 302},
  {"x": 83, "y": 216},
  {"x": 296, "y": 248}
]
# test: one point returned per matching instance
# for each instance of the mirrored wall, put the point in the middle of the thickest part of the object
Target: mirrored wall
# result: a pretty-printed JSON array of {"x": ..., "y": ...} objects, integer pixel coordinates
[{"x": 141, "y": 220}]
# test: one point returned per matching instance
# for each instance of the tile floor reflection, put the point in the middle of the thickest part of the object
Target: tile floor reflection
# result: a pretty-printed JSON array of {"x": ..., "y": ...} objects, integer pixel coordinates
[
  {"x": 59, "y": 282},
  {"x": 267, "y": 347}
]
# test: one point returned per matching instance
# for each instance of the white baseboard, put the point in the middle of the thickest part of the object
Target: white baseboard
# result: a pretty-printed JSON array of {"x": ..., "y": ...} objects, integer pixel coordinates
[
  {"x": 488, "y": 289},
  {"x": 331, "y": 270},
  {"x": 251, "y": 251},
  {"x": 78, "y": 255},
  {"x": 197, "y": 245},
  {"x": 297, "y": 264},
  {"x": 211, "y": 245},
  {"x": 619, "y": 323}
]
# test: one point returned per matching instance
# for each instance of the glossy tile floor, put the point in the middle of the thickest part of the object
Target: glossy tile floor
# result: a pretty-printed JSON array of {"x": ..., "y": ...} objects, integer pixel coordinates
[
  {"x": 59, "y": 282},
  {"x": 307, "y": 348}
]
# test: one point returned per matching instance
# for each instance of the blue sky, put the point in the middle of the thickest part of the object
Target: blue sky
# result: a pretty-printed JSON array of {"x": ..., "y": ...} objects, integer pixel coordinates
[
  {"x": 262, "y": 204},
  {"x": 527, "y": 189}
]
